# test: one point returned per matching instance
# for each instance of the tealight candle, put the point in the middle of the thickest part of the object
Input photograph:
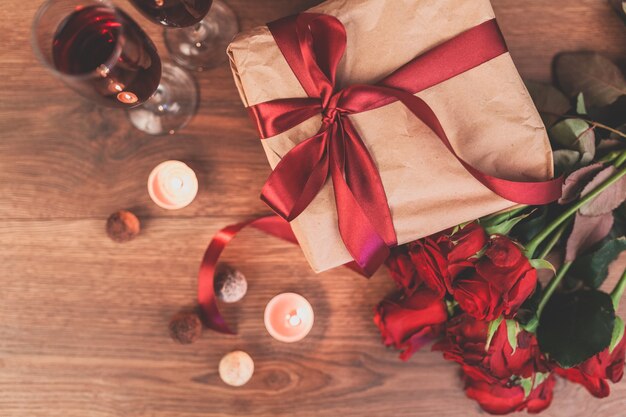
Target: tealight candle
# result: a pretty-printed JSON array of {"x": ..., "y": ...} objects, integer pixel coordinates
[
  {"x": 288, "y": 317},
  {"x": 172, "y": 185}
]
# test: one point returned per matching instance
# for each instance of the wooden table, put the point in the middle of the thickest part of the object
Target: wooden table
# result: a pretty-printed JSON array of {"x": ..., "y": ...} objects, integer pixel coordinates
[{"x": 83, "y": 320}]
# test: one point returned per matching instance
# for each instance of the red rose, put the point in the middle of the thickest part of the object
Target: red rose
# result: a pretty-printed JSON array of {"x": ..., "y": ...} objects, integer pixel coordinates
[
  {"x": 465, "y": 343},
  {"x": 497, "y": 397},
  {"x": 430, "y": 262},
  {"x": 409, "y": 323},
  {"x": 402, "y": 270},
  {"x": 595, "y": 371},
  {"x": 467, "y": 242},
  {"x": 492, "y": 376},
  {"x": 498, "y": 283}
]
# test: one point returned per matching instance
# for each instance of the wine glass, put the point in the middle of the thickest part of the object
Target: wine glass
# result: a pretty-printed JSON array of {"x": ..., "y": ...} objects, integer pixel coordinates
[
  {"x": 197, "y": 31},
  {"x": 101, "y": 53}
]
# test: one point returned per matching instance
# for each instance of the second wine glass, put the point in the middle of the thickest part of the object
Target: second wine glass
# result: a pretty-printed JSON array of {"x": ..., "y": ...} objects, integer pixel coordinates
[{"x": 197, "y": 31}]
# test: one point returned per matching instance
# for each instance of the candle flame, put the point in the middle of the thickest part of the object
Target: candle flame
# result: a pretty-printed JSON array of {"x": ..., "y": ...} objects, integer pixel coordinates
[{"x": 294, "y": 319}]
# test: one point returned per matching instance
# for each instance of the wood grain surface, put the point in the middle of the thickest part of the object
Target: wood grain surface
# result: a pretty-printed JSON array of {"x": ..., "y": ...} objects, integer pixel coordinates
[{"x": 83, "y": 320}]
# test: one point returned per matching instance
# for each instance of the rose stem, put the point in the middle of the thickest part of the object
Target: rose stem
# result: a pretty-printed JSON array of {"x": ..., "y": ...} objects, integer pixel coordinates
[
  {"x": 531, "y": 247},
  {"x": 591, "y": 122},
  {"x": 555, "y": 238},
  {"x": 505, "y": 215},
  {"x": 554, "y": 282},
  {"x": 618, "y": 291}
]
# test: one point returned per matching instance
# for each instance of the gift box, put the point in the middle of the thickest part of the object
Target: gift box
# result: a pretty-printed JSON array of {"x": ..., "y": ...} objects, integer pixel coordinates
[{"x": 486, "y": 111}]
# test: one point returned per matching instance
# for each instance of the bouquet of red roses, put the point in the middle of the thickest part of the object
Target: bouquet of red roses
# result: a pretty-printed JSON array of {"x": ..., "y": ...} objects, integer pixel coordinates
[{"x": 474, "y": 289}]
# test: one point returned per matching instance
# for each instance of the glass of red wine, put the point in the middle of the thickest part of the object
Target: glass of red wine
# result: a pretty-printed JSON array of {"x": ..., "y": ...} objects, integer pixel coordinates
[
  {"x": 101, "y": 53},
  {"x": 197, "y": 31}
]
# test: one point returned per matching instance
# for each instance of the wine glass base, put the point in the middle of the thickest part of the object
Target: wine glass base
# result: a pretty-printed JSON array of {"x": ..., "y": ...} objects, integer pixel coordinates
[
  {"x": 172, "y": 105},
  {"x": 203, "y": 45}
]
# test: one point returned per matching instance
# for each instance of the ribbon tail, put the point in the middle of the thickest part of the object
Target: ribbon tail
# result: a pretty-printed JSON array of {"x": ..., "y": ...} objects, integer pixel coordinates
[
  {"x": 521, "y": 192},
  {"x": 207, "y": 300},
  {"x": 297, "y": 178},
  {"x": 368, "y": 249},
  {"x": 364, "y": 180}
]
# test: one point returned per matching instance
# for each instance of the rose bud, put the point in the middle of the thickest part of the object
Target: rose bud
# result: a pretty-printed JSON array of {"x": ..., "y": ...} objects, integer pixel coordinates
[
  {"x": 467, "y": 242},
  {"x": 497, "y": 284},
  {"x": 402, "y": 270},
  {"x": 493, "y": 376},
  {"x": 595, "y": 371},
  {"x": 430, "y": 263},
  {"x": 408, "y": 323},
  {"x": 465, "y": 343},
  {"x": 498, "y": 397}
]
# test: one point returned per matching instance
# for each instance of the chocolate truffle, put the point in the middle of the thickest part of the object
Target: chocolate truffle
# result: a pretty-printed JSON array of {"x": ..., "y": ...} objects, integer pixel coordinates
[
  {"x": 230, "y": 284},
  {"x": 122, "y": 226},
  {"x": 185, "y": 327}
]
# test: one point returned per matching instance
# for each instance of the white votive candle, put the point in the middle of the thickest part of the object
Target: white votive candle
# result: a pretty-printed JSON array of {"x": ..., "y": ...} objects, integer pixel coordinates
[
  {"x": 172, "y": 185},
  {"x": 288, "y": 317}
]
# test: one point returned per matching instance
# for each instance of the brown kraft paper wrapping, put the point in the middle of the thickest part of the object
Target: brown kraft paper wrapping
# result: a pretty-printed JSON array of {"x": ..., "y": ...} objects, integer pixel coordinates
[{"x": 487, "y": 114}]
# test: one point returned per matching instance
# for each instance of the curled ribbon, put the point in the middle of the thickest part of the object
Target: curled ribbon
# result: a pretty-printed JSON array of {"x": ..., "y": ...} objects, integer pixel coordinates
[{"x": 313, "y": 45}]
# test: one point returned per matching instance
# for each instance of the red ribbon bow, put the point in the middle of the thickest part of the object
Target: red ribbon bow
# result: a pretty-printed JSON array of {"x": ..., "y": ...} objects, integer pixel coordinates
[{"x": 313, "y": 45}]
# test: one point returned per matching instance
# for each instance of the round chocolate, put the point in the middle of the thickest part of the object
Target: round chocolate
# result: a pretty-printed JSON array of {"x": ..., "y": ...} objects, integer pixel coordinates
[
  {"x": 122, "y": 226},
  {"x": 236, "y": 368},
  {"x": 230, "y": 284}
]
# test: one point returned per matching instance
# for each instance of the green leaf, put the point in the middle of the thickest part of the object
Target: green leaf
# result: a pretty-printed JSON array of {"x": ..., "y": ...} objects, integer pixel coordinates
[
  {"x": 542, "y": 264},
  {"x": 580, "y": 104},
  {"x": 532, "y": 382},
  {"x": 587, "y": 232},
  {"x": 577, "y": 135},
  {"x": 609, "y": 199},
  {"x": 503, "y": 225},
  {"x": 528, "y": 309},
  {"x": 575, "y": 326},
  {"x": 527, "y": 386},
  {"x": 618, "y": 334},
  {"x": 525, "y": 231},
  {"x": 565, "y": 161},
  {"x": 512, "y": 329},
  {"x": 451, "y": 306},
  {"x": 594, "y": 267},
  {"x": 493, "y": 327},
  {"x": 550, "y": 102},
  {"x": 599, "y": 79},
  {"x": 539, "y": 378}
]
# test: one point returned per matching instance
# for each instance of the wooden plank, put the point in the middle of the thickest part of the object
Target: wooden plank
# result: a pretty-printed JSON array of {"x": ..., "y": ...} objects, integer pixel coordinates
[
  {"x": 58, "y": 151},
  {"x": 83, "y": 333}
]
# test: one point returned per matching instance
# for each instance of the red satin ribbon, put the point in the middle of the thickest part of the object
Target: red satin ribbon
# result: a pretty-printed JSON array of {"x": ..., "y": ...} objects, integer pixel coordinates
[
  {"x": 313, "y": 45},
  {"x": 272, "y": 225}
]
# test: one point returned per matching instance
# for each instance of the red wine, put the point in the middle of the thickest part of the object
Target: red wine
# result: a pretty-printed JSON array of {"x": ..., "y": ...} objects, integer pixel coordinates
[
  {"x": 175, "y": 13},
  {"x": 111, "y": 58}
]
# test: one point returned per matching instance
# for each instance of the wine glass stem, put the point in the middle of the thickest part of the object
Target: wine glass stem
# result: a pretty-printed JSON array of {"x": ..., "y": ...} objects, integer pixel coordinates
[{"x": 199, "y": 32}]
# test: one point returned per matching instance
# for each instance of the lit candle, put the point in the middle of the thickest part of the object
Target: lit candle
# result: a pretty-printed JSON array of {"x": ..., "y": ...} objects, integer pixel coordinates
[
  {"x": 172, "y": 185},
  {"x": 288, "y": 317}
]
